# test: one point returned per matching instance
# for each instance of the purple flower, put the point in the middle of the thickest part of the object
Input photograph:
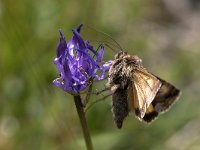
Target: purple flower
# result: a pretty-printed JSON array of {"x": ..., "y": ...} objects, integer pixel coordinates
[{"x": 78, "y": 63}]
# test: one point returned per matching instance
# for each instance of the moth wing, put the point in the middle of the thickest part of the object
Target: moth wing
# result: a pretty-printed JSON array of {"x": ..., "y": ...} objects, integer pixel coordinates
[
  {"x": 145, "y": 87},
  {"x": 166, "y": 96}
]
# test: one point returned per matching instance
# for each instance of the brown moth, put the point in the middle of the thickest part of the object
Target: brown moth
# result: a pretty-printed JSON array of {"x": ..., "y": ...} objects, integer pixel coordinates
[{"x": 134, "y": 88}]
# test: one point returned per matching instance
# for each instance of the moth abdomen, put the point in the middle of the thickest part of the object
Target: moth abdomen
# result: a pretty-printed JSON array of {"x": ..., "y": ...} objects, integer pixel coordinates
[{"x": 120, "y": 106}]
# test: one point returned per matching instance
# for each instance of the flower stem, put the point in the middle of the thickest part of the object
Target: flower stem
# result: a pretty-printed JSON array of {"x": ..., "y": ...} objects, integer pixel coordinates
[{"x": 81, "y": 114}]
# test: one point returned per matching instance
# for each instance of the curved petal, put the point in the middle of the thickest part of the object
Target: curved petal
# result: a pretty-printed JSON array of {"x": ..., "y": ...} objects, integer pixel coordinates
[
  {"x": 61, "y": 46},
  {"x": 100, "y": 55},
  {"x": 78, "y": 29},
  {"x": 78, "y": 39},
  {"x": 105, "y": 67}
]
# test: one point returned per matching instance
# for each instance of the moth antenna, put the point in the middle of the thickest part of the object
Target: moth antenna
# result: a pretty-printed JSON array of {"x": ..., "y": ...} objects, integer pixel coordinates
[
  {"x": 117, "y": 44},
  {"x": 106, "y": 43},
  {"x": 110, "y": 48}
]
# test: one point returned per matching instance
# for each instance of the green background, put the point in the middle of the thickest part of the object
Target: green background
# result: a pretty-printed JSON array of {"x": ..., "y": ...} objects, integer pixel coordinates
[{"x": 36, "y": 115}]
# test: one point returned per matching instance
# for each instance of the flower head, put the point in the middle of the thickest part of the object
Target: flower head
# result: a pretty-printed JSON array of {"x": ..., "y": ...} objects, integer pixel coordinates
[{"x": 78, "y": 63}]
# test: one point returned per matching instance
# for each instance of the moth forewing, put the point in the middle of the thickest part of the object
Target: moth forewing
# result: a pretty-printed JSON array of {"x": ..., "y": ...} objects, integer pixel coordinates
[{"x": 146, "y": 88}]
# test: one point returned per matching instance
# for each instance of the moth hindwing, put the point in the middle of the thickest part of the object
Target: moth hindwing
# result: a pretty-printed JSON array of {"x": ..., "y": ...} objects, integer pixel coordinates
[{"x": 135, "y": 89}]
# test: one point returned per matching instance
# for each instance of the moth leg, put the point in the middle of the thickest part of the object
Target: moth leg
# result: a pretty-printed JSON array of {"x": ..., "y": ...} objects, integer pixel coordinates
[
  {"x": 88, "y": 95},
  {"x": 99, "y": 100},
  {"x": 103, "y": 90},
  {"x": 96, "y": 92}
]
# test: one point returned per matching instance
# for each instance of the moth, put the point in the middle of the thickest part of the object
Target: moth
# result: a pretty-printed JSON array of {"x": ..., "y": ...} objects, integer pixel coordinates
[{"x": 135, "y": 89}]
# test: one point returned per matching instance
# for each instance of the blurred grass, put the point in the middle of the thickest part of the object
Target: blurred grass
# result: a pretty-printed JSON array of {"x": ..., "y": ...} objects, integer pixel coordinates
[{"x": 36, "y": 115}]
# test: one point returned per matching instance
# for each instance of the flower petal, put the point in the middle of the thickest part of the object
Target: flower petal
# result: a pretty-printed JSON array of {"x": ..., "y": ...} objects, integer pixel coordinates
[
  {"x": 61, "y": 46},
  {"x": 100, "y": 55},
  {"x": 105, "y": 67},
  {"x": 78, "y": 40}
]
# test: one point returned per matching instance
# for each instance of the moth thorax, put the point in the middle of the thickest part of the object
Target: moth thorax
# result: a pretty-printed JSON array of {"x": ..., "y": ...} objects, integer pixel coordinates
[{"x": 127, "y": 70}]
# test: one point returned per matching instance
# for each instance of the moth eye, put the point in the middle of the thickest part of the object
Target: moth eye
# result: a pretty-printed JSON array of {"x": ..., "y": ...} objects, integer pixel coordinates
[{"x": 139, "y": 60}]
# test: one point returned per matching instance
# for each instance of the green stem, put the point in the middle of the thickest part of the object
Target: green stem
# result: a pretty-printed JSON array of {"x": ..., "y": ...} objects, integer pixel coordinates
[{"x": 81, "y": 114}]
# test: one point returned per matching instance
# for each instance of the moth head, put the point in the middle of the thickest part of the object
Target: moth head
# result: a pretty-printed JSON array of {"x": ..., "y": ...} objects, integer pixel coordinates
[
  {"x": 133, "y": 59},
  {"x": 120, "y": 55}
]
